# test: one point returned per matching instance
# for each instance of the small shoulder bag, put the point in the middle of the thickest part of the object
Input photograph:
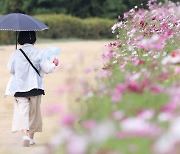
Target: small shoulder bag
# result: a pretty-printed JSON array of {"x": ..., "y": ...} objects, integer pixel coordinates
[{"x": 30, "y": 62}]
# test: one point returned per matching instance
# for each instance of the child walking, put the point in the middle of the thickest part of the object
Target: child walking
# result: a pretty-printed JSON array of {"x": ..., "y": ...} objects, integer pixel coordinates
[{"x": 27, "y": 66}]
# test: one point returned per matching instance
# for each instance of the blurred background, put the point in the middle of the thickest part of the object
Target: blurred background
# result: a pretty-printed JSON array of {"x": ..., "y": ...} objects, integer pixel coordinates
[
  {"x": 111, "y": 94},
  {"x": 83, "y": 19}
]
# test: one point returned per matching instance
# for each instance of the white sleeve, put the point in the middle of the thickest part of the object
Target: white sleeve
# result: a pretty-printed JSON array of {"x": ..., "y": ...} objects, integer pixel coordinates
[
  {"x": 11, "y": 63},
  {"x": 47, "y": 67}
]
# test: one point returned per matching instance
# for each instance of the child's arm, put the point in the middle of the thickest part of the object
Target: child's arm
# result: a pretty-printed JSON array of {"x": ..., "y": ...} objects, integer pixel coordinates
[
  {"x": 11, "y": 63},
  {"x": 48, "y": 67}
]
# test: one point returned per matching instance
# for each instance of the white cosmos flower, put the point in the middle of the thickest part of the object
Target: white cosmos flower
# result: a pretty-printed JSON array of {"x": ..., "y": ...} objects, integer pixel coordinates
[
  {"x": 102, "y": 131},
  {"x": 163, "y": 117},
  {"x": 171, "y": 60},
  {"x": 77, "y": 144},
  {"x": 134, "y": 124},
  {"x": 167, "y": 141}
]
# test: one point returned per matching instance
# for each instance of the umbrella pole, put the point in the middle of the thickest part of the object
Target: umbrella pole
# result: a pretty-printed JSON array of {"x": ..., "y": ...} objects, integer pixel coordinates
[{"x": 16, "y": 39}]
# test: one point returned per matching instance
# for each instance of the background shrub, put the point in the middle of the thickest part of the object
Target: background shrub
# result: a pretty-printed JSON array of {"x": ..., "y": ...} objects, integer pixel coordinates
[
  {"x": 97, "y": 28},
  {"x": 66, "y": 26},
  {"x": 7, "y": 37}
]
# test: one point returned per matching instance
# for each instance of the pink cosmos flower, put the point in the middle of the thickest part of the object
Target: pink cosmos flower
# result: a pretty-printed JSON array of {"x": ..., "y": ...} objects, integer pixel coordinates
[
  {"x": 107, "y": 56},
  {"x": 126, "y": 14},
  {"x": 104, "y": 74},
  {"x": 87, "y": 70},
  {"x": 68, "y": 120},
  {"x": 70, "y": 88},
  {"x": 156, "y": 88},
  {"x": 60, "y": 90},
  {"x": 90, "y": 124},
  {"x": 53, "y": 109},
  {"x": 170, "y": 107},
  {"x": 144, "y": 133},
  {"x": 116, "y": 97},
  {"x": 132, "y": 77},
  {"x": 118, "y": 91},
  {"x": 177, "y": 70},
  {"x": 138, "y": 61},
  {"x": 175, "y": 53},
  {"x": 163, "y": 76},
  {"x": 146, "y": 82},
  {"x": 117, "y": 115},
  {"x": 102, "y": 86},
  {"x": 146, "y": 114},
  {"x": 133, "y": 86},
  {"x": 109, "y": 48},
  {"x": 123, "y": 66},
  {"x": 139, "y": 38}
]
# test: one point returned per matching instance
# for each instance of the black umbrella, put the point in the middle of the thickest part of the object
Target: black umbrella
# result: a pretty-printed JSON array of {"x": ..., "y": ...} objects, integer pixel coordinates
[{"x": 21, "y": 22}]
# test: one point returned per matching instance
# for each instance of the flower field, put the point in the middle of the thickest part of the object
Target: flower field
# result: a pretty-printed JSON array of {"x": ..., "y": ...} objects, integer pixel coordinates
[{"x": 133, "y": 107}]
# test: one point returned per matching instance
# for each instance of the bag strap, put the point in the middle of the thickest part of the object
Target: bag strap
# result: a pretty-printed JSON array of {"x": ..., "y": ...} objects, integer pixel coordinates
[{"x": 30, "y": 62}]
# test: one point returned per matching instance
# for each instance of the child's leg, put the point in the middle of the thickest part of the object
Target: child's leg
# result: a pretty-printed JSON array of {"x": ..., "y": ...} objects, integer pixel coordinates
[
  {"x": 21, "y": 118},
  {"x": 35, "y": 119},
  {"x": 31, "y": 135},
  {"x": 25, "y": 132},
  {"x": 21, "y": 115}
]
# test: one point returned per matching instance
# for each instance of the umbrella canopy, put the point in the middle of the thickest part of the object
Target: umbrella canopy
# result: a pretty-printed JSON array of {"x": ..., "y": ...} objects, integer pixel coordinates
[{"x": 21, "y": 22}]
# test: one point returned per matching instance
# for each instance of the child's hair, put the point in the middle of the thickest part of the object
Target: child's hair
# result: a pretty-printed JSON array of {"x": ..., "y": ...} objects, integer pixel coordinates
[{"x": 27, "y": 37}]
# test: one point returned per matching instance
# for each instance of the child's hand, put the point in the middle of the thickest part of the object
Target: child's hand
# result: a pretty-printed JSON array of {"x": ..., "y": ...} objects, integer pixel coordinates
[{"x": 56, "y": 61}]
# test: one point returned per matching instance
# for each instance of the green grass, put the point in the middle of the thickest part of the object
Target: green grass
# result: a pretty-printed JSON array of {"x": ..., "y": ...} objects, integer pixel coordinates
[
  {"x": 135, "y": 145},
  {"x": 98, "y": 108},
  {"x": 132, "y": 102}
]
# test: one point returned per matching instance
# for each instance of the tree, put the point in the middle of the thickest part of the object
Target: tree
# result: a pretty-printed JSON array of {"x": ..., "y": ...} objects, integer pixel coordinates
[
  {"x": 9, "y": 6},
  {"x": 113, "y": 8},
  {"x": 80, "y": 8}
]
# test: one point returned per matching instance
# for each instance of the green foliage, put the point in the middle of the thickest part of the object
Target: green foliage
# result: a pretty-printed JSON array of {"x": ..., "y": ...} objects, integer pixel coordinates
[
  {"x": 131, "y": 103},
  {"x": 130, "y": 146},
  {"x": 79, "y": 8},
  {"x": 10, "y": 6},
  {"x": 7, "y": 37},
  {"x": 64, "y": 26},
  {"x": 114, "y": 8},
  {"x": 97, "y": 28}
]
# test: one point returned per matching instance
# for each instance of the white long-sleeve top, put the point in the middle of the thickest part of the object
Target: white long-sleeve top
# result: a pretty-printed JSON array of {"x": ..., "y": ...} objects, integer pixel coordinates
[{"x": 24, "y": 77}]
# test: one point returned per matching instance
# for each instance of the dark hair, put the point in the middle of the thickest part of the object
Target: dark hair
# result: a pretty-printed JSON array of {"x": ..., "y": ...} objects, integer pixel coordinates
[{"x": 26, "y": 37}]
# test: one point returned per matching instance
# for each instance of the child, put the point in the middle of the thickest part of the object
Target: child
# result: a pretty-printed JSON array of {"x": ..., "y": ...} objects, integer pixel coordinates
[{"x": 27, "y": 87}]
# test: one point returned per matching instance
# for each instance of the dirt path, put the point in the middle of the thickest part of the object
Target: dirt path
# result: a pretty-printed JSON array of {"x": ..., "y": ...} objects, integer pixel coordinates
[{"x": 71, "y": 53}]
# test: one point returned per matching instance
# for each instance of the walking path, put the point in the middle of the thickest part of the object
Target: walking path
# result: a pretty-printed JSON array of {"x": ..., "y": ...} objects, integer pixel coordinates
[{"x": 71, "y": 53}]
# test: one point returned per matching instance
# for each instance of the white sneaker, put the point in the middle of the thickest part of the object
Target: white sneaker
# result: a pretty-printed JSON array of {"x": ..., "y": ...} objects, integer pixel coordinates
[
  {"x": 32, "y": 141},
  {"x": 26, "y": 141}
]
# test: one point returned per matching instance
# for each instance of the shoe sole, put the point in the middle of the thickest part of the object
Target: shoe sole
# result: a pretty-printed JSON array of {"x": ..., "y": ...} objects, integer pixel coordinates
[{"x": 26, "y": 143}]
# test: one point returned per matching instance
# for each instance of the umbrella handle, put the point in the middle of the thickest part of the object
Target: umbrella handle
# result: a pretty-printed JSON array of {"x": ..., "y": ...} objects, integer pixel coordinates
[{"x": 16, "y": 38}]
